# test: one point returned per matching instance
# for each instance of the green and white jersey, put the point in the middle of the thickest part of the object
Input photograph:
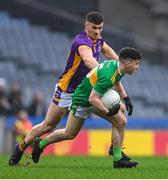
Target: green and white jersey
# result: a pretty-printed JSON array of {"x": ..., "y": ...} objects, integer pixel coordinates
[{"x": 101, "y": 78}]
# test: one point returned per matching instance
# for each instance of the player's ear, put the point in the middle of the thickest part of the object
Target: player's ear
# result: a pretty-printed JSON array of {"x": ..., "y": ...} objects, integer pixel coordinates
[
  {"x": 86, "y": 24},
  {"x": 127, "y": 63}
]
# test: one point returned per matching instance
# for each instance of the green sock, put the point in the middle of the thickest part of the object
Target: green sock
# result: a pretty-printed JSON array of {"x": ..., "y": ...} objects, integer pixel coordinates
[
  {"x": 43, "y": 143},
  {"x": 117, "y": 153}
]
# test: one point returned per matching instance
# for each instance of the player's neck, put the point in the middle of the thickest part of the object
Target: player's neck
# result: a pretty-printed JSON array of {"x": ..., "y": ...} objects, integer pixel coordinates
[
  {"x": 93, "y": 40},
  {"x": 121, "y": 68},
  {"x": 118, "y": 64}
]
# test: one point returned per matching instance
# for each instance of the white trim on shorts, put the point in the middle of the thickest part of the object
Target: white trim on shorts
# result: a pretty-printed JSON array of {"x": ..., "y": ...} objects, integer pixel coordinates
[{"x": 61, "y": 98}]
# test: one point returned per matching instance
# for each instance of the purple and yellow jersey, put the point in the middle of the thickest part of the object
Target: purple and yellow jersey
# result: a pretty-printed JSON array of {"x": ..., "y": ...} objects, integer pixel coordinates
[{"x": 75, "y": 70}]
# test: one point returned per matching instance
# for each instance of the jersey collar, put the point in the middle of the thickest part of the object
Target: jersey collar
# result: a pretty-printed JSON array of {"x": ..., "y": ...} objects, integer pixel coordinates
[{"x": 119, "y": 68}]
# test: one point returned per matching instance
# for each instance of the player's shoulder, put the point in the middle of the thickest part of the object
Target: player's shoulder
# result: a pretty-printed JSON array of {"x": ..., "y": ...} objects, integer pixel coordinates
[
  {"x": 82, "y": 38},
  {"x": 82, "y": 35},
  {"x": 108, "y": 63},
  {"x": 107, "y": 67}
]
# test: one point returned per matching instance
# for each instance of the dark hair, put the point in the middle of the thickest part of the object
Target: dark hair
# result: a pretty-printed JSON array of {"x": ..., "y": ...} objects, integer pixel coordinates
[
  {"x": 94, "y": 17},
  {"x": 129, "y": 53}
]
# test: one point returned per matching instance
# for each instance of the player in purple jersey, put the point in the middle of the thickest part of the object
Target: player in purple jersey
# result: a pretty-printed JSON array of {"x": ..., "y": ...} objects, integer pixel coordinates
[
  {"x": 84, "y": 54},
  {"x": 76, "y": 68}
]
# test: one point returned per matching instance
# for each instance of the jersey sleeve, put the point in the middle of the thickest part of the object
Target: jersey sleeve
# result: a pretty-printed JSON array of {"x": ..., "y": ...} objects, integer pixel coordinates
[
  {"x": 82, "y": 42},
  {"x": 102, "y": 85}
]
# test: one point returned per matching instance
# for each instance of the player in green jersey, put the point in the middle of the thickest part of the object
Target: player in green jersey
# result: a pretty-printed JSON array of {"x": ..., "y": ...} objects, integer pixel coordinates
[{"x": 87, "y": 99}]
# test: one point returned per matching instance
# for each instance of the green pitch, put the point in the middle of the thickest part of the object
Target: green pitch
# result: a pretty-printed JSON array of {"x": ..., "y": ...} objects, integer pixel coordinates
[{"x": 84, "y": 167}]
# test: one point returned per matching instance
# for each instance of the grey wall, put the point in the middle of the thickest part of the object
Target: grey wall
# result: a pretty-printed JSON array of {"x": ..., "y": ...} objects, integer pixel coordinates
[{"x": 143, "y": 17}]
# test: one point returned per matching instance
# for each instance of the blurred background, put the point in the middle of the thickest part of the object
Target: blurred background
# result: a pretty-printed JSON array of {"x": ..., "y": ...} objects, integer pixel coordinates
[{"x": 35, "y": 39}]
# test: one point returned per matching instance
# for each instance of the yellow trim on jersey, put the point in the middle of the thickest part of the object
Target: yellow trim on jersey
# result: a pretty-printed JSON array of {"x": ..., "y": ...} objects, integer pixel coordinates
[
  {"x": 64, "y": 81},
  {"x": 114, "y": 76},
  {"x": 85, "y": 46},
  {"x": 93, "y": 78},
  {"x": 56, "y": 99}
]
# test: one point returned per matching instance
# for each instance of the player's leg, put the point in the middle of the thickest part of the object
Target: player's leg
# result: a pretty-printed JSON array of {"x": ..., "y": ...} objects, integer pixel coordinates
[
  {"x": 73, "y": 126},
  {"x": 53, "y": 117},
  {"x": 118, "y": 128},
  {"x": 55, "y": 112},
  {"x": 118, "y": 122},
  {"x": 126, "y": 157},
  {"x": 122, "y": 122},
  {"x": 123, "y": 109}
]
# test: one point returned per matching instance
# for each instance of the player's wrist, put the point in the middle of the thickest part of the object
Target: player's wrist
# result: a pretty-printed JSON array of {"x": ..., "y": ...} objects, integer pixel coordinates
[{"x": 126, "y": 99}]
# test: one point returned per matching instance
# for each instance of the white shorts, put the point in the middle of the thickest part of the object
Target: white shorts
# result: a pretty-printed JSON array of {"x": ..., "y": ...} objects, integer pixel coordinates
[
  {"x": 83, "y": 112},
  {"x": 60, "y": 98}
]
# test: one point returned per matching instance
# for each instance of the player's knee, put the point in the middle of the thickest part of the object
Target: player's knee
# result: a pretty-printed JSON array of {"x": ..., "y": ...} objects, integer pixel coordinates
[
  {"x": 122, "y": 122},
  {"x": 70, "y": 135},
  {"x": 47, "y": 127}
]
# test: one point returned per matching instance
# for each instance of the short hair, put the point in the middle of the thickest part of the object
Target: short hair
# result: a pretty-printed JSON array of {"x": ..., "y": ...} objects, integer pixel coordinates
[
  {"x": 94, "y": 17},
  {"x": 129, "y": 53}
]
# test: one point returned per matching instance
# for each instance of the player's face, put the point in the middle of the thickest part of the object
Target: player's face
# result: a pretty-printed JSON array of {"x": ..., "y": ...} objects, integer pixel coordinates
[
  {"x": 132, "y": 66},
  {"x": 93, "y": 30}
]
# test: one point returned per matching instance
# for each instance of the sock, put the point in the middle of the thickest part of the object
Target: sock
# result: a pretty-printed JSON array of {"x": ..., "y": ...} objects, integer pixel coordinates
[
  {"x": 43, "y": 143},
  {"x": 23, "y": 146},
  {"x": 117, "y": 153}
]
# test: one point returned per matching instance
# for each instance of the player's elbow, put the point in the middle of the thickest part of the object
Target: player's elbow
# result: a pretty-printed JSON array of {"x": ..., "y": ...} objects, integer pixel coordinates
[
  {"x": 90, "y": 62},
  {"x": 86, "y": 61}
]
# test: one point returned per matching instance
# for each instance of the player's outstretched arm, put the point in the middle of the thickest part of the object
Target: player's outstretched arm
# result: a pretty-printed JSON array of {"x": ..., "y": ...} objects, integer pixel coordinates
[
  {"x": 86, "y": 54},
  {"x": 108, "y": 52}
]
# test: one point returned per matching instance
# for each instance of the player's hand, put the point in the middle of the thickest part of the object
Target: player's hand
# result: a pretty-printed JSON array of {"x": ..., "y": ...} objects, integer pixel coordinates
[
  {"x": 114, "y": 110},
  {"x": 128, "y": 105}
]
